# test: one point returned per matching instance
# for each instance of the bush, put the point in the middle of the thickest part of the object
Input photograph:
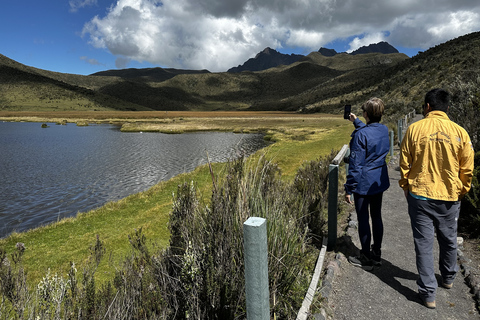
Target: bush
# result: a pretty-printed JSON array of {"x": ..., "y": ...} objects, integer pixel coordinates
[
  {"x": 464, "y": 110},
  {"x": 207, "y": 241}
]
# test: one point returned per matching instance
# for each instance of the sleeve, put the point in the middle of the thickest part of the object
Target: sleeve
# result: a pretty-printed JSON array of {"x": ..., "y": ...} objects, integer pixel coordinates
[
  {"x": 466, "y": 159},
  {"x": 405, "y": 160},
  {"x": 358, "y": 123},
  {"x": 357, "y": 161}
]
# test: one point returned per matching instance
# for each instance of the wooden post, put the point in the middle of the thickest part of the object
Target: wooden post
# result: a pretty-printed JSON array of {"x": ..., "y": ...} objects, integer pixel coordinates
[{"x": 256, "y": 268}]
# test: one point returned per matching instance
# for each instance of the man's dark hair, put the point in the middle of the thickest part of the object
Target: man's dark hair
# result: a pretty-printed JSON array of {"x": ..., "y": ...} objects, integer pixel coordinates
[{"x": 438, "y": 99}]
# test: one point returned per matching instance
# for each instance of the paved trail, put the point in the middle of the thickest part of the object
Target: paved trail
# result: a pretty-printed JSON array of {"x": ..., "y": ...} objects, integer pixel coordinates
[{"x": 390, "y": 291}]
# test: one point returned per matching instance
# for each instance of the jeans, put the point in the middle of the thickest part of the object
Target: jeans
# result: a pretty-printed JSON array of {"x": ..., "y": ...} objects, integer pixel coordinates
[
  {"x": 362, "y": 205},
  {"x": 428, "y": 217}
]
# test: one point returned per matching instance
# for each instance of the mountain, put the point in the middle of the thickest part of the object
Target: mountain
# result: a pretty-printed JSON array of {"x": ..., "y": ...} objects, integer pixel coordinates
[
  {"x": 314, "y": 83},
  {"x": 268, "y": 58},
  {"x": 381, "y": 47},
  {"x": 327, "y": 52}
]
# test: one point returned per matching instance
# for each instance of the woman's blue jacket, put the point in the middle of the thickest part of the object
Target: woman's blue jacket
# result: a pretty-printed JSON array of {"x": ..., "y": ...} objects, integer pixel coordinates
[{"x": 367, "y": 172}]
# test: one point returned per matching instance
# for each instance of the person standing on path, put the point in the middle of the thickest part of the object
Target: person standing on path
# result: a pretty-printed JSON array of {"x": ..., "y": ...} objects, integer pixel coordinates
[
  {"x": 436, "y": 167},
  {"x": 367, "y": 179}
]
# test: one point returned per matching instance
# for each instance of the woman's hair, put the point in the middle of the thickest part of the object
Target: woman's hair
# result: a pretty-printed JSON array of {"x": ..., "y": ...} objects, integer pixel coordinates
[{"x": 374, "y": 108}]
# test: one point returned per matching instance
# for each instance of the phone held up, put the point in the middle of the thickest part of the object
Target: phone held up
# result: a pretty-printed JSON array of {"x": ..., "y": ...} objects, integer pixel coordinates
[{"x": 347, "y": 111}]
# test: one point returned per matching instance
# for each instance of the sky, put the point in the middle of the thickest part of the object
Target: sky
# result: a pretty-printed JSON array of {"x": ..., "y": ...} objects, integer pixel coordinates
[{"x": 88, "y": 36}]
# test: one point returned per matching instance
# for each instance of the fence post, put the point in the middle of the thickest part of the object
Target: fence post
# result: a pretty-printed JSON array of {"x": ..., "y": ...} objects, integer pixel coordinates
[
  {"x": 333, "y": 197},
  {"x": 256, "y": 268},
  {"x": 392, "y": 134},
  {"x": 400, "y": 131},
  {"x": 332, "y": 205}
]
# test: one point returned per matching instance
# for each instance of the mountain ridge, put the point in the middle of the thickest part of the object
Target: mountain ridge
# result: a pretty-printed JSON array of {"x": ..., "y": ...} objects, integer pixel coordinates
[
  {"x": 270, "y": 58},
  {"x": 314, "y": 83}
]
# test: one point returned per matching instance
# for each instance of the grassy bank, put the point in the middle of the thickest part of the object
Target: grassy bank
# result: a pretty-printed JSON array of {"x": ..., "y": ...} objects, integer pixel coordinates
[{"x": 298, "y": 139}]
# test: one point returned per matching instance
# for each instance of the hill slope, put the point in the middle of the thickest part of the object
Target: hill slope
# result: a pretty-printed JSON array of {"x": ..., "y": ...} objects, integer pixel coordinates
[
  {"x": 315, "y": 83},
  {"x": 25, "y": 88}
]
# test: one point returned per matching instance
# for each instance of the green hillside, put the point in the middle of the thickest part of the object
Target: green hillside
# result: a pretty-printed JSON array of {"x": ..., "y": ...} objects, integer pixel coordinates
[{"x": 316, "y": 83}]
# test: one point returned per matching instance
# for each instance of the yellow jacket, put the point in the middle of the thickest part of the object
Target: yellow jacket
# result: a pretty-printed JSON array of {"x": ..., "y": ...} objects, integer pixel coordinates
[{"x": 436, "y": 158}]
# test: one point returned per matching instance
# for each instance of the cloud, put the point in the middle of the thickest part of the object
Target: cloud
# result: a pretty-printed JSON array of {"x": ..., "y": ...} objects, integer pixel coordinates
[
  {"x": 122, "y": 62},
  {"x": 93, "y": 62},
  {"x": 78, "y": 4},
  {"x": 218, "y": 34}
]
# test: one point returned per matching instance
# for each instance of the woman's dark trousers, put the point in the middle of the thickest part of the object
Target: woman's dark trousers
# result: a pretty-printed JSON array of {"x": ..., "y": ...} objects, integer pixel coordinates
[{"x": 369, "y": 206}]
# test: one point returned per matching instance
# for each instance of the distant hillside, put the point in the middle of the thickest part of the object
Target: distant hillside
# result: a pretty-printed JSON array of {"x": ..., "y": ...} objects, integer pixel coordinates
[
  {"x": 26, "y": 88},
  {"x": 147, "y": 74},
  {"x": 452, "y": 65},
  {"x": 314, "y": 83},
  {"x": 267, "y": 59}
]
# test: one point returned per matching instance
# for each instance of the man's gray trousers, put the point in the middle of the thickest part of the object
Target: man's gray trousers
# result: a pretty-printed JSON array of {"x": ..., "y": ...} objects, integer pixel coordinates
[{"x": 428, "y": 217}]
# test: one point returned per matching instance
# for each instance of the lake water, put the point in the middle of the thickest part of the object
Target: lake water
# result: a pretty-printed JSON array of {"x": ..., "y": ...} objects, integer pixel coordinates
[{"x": 50, "y": 173}]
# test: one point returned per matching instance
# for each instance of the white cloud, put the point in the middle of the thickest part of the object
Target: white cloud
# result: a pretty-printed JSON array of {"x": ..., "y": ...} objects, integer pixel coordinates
[
  {"x": 78, "y": 4},
  {"x": 218, "y": 34},
  {"x": 93, "y": 62}
]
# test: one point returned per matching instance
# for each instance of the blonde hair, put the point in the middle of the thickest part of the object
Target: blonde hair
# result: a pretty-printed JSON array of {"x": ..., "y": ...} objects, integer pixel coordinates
[{"x": 374, "y": 108}]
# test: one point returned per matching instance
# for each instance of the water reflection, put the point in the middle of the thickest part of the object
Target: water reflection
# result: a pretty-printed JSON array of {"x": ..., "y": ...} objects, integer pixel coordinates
[{"x": 48, "y": 174}]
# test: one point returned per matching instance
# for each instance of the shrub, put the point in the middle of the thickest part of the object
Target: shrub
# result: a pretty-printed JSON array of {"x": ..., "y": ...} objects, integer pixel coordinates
[{"x": 464, "y": 110}]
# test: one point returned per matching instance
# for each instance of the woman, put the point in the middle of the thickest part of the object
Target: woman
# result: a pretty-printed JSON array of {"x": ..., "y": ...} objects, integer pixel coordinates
[{"x": 367, "y": 179}]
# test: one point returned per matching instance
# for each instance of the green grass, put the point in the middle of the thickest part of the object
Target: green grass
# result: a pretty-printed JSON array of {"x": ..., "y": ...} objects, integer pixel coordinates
[{"x": 56, "y": 245}]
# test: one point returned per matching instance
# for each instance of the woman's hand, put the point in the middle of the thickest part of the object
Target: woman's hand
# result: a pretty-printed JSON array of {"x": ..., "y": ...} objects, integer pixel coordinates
[
  {"x": 352, "y": 117},
  {"x": 348, "y": 199}
]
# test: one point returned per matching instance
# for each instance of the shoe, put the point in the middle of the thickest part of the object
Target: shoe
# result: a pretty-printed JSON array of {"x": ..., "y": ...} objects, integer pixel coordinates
[
  {"x": 361, "y": 261},
  {"x": 376, "y": 258},
  {"x": 447, "y": 285},
  {"x": 428, "y": 304}
]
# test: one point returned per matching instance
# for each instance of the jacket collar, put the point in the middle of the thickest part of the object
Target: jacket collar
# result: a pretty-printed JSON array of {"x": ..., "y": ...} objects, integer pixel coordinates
[{"x": 437, "y": 115}]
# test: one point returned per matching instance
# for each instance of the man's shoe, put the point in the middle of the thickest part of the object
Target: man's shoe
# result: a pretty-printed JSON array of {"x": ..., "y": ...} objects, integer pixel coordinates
[
  {"x": 447, "y": 285},
  {"x": 430, "y": 305},
  {"x": 376, "y": 258},
  {"x": 361, "y": 261}
]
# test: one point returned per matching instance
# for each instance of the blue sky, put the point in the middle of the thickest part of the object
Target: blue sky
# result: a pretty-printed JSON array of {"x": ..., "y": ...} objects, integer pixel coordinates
[{"x": 87, "y": 36}]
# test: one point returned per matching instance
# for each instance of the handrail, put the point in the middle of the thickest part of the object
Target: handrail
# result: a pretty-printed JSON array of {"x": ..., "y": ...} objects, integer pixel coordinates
[
  {"x": 340, "y": 155},
  {"x": 333, "y": 197}
]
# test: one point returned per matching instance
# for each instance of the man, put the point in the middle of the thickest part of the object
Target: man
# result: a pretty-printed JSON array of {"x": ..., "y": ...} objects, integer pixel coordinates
[{"x": 436, "y": 165}]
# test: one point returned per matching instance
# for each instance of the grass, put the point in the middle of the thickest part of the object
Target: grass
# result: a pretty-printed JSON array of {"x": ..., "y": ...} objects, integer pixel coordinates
[{"x": 298, "y": 139}]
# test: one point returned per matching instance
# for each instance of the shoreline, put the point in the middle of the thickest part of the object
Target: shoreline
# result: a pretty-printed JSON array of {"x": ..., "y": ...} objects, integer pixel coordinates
[{"x": 179, "y": 121}]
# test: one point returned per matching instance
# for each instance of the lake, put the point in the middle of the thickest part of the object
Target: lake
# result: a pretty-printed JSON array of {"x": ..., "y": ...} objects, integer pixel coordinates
[{"x": 51, "y": 173}]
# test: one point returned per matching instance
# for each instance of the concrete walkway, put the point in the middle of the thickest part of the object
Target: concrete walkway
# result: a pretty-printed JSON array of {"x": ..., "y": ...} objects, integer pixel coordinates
[{"x": 390, "y": 291}]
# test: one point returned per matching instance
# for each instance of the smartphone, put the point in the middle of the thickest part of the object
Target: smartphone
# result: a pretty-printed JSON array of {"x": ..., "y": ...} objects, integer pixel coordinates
[{"x": 348, "y": 109}]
